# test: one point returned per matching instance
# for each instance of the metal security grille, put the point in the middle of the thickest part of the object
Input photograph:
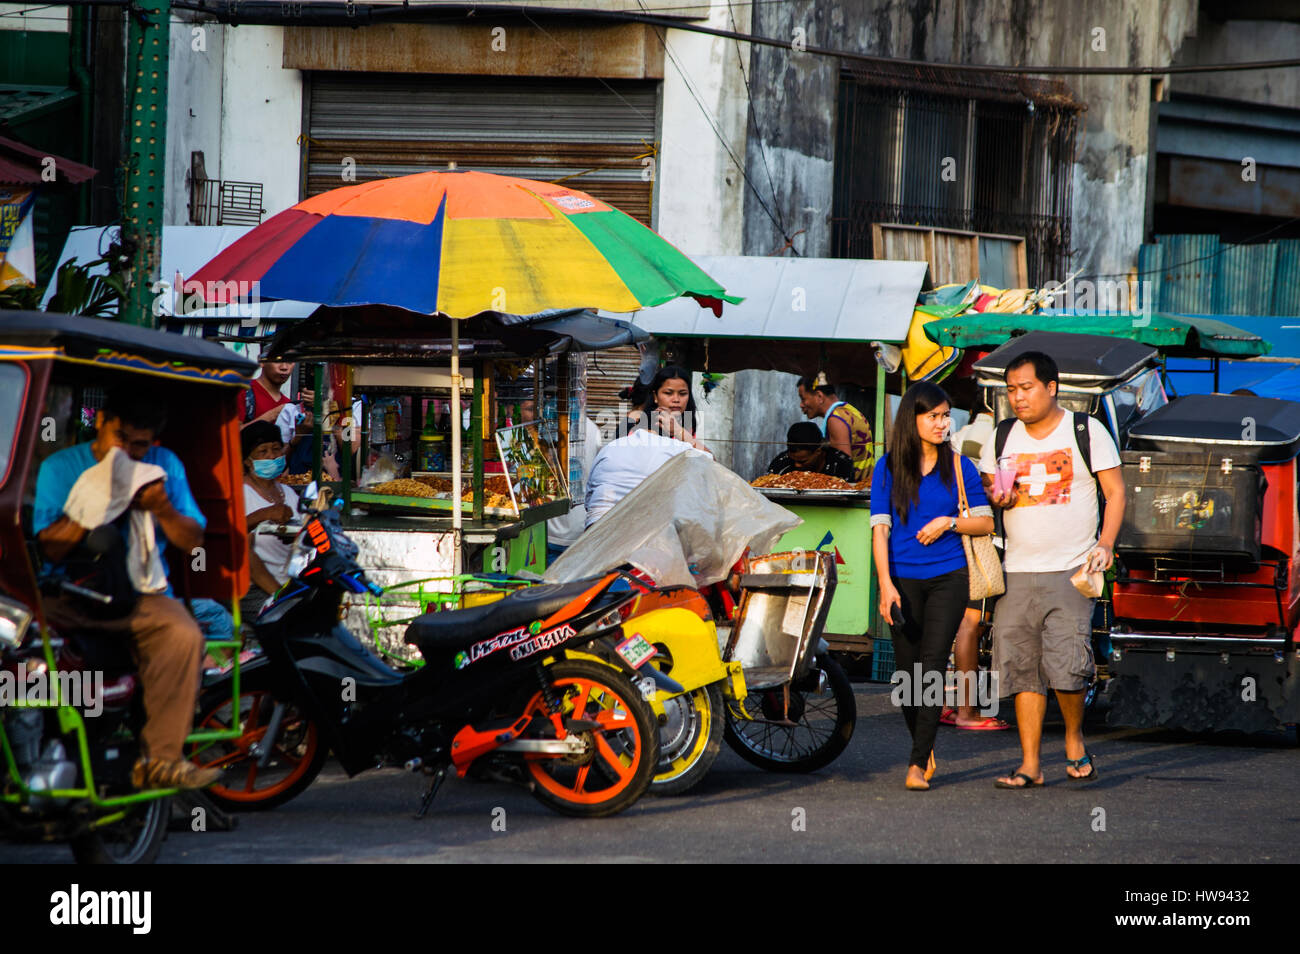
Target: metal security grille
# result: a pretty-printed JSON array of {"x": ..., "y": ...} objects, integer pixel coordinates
[
  {"x": 225, "y": 202},
  {"x": 596, "y": 136},
  {"x": 981, "y": 155}
]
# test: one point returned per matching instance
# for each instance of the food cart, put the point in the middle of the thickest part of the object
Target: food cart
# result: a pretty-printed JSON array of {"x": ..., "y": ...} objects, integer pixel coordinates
[
  {"x": 802, "y": 315},
  {"x": 397, "y": 504}
]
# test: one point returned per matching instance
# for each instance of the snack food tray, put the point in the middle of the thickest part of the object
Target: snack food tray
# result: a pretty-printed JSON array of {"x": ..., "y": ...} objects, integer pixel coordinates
[{"x": 863, "y": 494}]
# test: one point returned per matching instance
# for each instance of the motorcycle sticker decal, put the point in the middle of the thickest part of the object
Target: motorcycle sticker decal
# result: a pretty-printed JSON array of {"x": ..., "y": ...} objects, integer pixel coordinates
[
  {"x": 547, "y": 640},
  {"x": 524, "y": 634},
  {"x": 487, "y": 647},
  {"x": 461, "y": 661}
]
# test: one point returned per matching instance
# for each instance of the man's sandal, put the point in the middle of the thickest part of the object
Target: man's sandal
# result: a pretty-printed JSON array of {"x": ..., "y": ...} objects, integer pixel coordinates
[
  {"x": 1078, "y": 764},
  {"x": 1027, "y": 783}
]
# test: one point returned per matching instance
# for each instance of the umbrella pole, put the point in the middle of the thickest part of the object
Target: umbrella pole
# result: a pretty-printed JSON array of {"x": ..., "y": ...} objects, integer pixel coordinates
[{"x": 455, "y": 450}]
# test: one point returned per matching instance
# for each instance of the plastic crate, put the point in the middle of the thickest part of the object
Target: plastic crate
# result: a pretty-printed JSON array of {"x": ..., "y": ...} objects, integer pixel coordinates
[{"x": 882, "y": 659}]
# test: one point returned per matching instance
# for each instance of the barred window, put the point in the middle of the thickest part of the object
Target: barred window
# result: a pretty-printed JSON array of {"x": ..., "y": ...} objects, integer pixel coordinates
[{"x": 976, "y": 152}]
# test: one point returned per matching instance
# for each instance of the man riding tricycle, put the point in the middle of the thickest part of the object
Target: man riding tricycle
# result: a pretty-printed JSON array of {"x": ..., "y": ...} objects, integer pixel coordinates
[{"x": 119, "y": 472}]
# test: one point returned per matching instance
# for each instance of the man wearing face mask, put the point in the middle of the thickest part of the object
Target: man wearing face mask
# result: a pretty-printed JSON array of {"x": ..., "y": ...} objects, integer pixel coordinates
[{"x": 265, "y": 500}]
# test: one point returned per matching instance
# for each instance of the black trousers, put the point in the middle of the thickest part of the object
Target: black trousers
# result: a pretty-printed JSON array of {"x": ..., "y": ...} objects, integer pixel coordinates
[{"x": 932, "y": 611}]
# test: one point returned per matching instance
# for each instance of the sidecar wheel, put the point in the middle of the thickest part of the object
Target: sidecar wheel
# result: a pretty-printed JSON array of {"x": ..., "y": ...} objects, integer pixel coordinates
[
  {"x": 822, "y": 724},
  {"x": 135, "y": 840}
]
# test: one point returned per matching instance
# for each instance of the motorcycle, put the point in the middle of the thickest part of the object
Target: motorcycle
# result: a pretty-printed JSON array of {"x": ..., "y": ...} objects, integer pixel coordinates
[
  {"x": 714, "y": 668},
  {"x": 490, "y": 702}
]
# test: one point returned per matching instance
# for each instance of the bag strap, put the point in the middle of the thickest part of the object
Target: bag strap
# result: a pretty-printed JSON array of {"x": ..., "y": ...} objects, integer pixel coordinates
[
  {"x": 1000, "y": 438},
  {"x": 1083, "y": 438},
  {"x": 963, "y": 505}
]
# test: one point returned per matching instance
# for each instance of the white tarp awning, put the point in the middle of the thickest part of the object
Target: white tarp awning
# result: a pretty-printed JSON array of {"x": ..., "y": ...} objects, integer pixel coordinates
[
  {"x": 185, "y": 249},
  {"x": 833, "y": 299}
]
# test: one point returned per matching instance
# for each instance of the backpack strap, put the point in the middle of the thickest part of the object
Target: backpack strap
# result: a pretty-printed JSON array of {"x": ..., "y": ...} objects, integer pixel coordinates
[
  {"x": 1083, "y": 438},
  {"x": 1000, "y": 436}
]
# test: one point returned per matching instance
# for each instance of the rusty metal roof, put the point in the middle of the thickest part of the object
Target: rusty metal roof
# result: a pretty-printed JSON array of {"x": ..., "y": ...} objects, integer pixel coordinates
[
  {"x": 21, "y": 164},
  {"x": 939, "y": 81}
]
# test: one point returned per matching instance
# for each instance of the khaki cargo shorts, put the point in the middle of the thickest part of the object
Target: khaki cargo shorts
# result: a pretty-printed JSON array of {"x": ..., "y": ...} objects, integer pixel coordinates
[{"x": 1042, "y": 635}]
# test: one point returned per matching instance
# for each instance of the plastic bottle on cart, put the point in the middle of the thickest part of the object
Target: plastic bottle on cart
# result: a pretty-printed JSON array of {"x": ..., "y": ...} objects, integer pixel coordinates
[{"x": 430, "y": 457}]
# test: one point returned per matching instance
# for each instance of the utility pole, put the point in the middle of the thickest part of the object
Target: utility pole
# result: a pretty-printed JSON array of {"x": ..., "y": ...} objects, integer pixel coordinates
[{"x": 148, "y": 37}]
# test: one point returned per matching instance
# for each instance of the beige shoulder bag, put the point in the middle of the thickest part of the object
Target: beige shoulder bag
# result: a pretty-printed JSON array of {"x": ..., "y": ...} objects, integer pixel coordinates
[{"x": 981, "y": 556}]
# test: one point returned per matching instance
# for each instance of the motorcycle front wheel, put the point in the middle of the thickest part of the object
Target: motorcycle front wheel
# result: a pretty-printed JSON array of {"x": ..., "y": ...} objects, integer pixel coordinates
[
  {"x": 689, "y": 740},
  {"x": 810, "y": 735},
  {"x": 618, "y": 760},
  {"x": 135, "y": 840},
  {"x": 298, "y": 756}
]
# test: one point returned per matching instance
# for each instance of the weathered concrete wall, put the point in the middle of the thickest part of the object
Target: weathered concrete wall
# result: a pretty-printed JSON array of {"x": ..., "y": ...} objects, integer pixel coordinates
[
  {"x": 796, "y": 104},
  {"x": 771, "y": 403},
  {"x": 261, "y": 115},
  {"x": 714, "y": 419},
  {"x": 194, "y": 88},
  {"x": 791, "y": 143},
  {"x": 700, "y": 188},
  {"x": 1239, "y": 41}
]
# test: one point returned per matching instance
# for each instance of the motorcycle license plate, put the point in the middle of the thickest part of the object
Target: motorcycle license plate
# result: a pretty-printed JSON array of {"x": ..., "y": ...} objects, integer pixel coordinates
[{"x": 636, "y": 650}]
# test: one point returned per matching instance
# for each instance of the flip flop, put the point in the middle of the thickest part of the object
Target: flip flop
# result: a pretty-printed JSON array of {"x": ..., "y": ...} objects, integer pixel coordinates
[
  {"x": 989, "y": 724},
  {"x": 949, "y": 717},
  {"x": 1028, "y": 783},
  {"x": 1077, "y": 764}
]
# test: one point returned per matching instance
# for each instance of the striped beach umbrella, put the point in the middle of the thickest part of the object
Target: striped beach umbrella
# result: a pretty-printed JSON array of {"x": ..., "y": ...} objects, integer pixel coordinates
[{"x": 457, "y": 243}]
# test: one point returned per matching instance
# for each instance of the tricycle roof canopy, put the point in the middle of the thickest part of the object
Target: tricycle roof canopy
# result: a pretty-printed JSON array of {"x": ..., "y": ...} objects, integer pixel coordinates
[
  {"x": 1179, "y": 336},
  {"x": 127, "y": 347},
  {"x": 1268, "y": 425},
  {"x": 1082, "y": 360}
]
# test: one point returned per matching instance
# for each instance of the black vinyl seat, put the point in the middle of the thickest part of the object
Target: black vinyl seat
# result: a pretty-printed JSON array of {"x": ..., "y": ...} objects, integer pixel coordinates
[{"x": 457, "y": 629}]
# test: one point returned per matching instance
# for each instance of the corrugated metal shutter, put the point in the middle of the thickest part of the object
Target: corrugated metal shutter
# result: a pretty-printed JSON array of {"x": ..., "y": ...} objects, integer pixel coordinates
[
  {"x": 608, "y": 372},
  {"x": 593, "y": 134}
]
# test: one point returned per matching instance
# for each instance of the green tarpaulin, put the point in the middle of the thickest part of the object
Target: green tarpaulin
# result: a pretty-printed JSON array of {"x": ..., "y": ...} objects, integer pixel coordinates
[{"x": 1175, "y": 336}]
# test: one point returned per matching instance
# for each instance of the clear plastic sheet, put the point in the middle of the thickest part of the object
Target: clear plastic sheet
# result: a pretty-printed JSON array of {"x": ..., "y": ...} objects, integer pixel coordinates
[{"x": 685, "y": 525}]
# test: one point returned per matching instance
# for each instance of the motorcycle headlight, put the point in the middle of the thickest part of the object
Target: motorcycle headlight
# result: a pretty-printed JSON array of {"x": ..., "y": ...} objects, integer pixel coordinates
[
  {"x": 14, "y": 620},
  {"x": 301, "y": 557}
]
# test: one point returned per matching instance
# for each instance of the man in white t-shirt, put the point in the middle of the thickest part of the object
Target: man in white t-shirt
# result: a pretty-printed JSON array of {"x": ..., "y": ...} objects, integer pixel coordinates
[
  {"x": 1043, "y": 626},
  {"x": 622, "y": 464}
]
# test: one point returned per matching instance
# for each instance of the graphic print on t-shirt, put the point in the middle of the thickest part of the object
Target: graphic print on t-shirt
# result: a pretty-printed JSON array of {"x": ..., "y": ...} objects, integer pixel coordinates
[{"x": 1044, "y": 479}]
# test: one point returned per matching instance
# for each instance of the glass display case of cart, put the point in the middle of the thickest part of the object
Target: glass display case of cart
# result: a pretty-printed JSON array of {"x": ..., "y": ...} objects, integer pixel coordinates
[{"x": 518, "y": 461}]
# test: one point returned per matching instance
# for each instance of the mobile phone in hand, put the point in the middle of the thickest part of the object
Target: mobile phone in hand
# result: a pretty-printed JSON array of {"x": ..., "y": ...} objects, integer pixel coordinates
[{"x": 896, "y": 614}]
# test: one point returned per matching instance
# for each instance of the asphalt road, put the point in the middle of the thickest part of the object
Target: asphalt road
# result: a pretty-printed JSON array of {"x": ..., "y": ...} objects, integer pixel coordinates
[{"x": 1163, "y": 797}]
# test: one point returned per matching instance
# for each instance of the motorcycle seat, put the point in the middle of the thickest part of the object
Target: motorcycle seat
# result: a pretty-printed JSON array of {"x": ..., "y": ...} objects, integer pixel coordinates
[{"x": 457, "y": 629}]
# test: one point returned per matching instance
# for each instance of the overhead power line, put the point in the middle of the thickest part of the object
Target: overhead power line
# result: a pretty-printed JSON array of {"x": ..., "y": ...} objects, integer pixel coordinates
[{"x": 274, "y": 12}]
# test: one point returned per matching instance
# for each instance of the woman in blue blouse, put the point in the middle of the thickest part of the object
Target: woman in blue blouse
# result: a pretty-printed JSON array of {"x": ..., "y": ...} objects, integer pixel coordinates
[{"x": 919, "y": 557}]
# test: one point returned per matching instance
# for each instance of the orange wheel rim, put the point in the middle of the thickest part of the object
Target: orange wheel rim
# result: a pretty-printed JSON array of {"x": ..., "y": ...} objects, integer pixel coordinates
[
  {"x": 584, "y": 698},
  {"x": 247, "y": 790}
]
